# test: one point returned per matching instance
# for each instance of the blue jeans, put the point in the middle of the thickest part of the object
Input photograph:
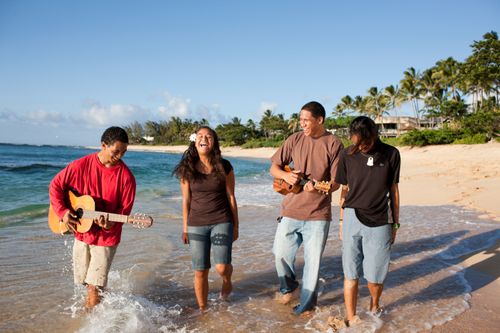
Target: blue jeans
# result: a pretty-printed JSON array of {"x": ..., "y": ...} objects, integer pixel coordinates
[{"x": 290, "y": 234}]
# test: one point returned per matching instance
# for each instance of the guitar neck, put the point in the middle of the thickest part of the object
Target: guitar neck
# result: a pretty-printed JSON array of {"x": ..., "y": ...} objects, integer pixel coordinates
[{"x": 90, "y": 214}]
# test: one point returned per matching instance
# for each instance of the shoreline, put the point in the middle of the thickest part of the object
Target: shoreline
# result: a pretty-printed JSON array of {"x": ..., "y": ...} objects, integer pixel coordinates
[{"x": 462, "y": 175}]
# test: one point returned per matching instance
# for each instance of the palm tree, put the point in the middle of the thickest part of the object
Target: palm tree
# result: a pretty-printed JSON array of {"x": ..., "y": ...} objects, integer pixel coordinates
[
  {"x": 346, "y": 103},
  {"x": 447, "y": 74},
  {"x": 360, "y": 105},
  {"x": 410, "y": 90},
  {"x": 394, "y": 102},
  {"x": 377, "y": 103},
  {"x": 235, "y": 121},
  {"x": 481, "y": 69},
  {"x": 294, "y": 123}
]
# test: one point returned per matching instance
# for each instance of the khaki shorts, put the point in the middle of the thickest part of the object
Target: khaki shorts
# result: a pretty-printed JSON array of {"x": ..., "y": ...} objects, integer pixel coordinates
[{"x": 91, "y": 263}]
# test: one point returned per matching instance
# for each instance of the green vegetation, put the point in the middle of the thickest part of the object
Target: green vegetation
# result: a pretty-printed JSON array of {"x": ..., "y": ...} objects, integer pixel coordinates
[{"x": 464, "y": 94}]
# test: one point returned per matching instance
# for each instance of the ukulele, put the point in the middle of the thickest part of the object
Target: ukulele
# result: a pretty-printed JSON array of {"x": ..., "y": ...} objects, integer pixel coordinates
[
  {"x": 84, "y": 209},
  {"x": 282, "y": 187}
]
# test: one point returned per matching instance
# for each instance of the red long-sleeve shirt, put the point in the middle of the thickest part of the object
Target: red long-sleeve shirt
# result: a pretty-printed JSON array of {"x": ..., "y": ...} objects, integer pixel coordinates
[{"x": 113, "y": 190}]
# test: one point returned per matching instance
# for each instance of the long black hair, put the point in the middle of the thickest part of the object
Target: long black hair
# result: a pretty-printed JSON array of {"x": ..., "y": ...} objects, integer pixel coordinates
[
  {"x": 186, "y": 169},
  {"x": 366, "y": 131}
]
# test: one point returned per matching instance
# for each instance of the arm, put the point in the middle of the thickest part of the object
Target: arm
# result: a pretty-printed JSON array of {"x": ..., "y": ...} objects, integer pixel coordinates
[
  {"x": 186, "y": 206},
  {"x": 57, "y": 194},
  {"x": 395, "y": 208},
  {"x": 230, "y": 184},
  {"x": 343, "y": 196}
]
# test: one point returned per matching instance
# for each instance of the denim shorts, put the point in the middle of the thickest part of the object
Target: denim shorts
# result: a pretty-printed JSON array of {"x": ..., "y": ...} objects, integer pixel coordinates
[
  {"x": 364, "y": 249},
  {"x": 201, "y": 238}
]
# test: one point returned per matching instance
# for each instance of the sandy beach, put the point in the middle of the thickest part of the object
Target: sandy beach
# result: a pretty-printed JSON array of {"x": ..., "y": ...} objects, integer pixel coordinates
[{"x": 462, "y": 175}]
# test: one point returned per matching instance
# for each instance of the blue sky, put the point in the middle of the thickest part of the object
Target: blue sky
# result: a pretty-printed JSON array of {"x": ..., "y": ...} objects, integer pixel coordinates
[{"x": 70, "y": 69}]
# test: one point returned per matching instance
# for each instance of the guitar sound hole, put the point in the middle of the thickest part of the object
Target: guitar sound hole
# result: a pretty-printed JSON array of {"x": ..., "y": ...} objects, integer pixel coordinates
[{"x": 79, "y": 213}]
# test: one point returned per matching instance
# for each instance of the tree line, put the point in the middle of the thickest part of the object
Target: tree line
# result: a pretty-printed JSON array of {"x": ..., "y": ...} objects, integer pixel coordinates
[{"x": 465, "y": 95}]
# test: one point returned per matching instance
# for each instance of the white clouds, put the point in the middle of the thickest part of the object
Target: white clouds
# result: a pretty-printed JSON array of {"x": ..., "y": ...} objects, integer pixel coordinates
[
  {"x": 264, "y": 106},
  {"x": 51, "y": 118},
  {"x": 47, "y": 117},
  {"x": 181, "y": 107},
  {"x": 8, "y": 115},
  {"x": 96, "y": 115},
  {"x": 174, "y": 107}
]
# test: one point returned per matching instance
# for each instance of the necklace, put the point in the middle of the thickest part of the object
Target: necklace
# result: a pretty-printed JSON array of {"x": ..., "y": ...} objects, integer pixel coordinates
[{"x": 370, "y": 159}]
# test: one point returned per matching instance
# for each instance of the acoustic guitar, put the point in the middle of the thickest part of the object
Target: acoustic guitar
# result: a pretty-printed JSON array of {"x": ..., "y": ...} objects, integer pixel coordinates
[
  {"x": 84, "y": 209},
  {"x": 282, "y": 187}
]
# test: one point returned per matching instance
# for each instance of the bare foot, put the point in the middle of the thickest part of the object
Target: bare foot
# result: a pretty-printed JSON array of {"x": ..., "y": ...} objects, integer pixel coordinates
[
  {"x": 354, "y": 321},
  {"x": 376, "y": 309},
  {"x": 287, "y": 298},
  {"x": 227, "y": 288},
  {"x": 93, "y": 297},
  {"x": 307, "y": 314},
  {"x": 336, "y": 323}
]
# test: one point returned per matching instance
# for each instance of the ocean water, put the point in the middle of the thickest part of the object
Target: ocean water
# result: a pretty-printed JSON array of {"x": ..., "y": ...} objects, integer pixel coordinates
[{"x": 150, "y": 285}]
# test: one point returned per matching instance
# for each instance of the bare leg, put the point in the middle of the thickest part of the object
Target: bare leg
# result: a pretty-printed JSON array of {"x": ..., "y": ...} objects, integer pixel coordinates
[
  {"x": 225, "y": 271},
  {"x": 201, "y": 288},
  {"x": 350, "y": 298},
  {"x": 375, "y": 293},
  {"x": 93, "y": 297}
]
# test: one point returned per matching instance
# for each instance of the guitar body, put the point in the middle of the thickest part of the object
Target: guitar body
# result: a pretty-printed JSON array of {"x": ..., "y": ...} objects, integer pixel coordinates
[
  {"x": 78, "y": 205},
  {"x": 282, "y": 187}
]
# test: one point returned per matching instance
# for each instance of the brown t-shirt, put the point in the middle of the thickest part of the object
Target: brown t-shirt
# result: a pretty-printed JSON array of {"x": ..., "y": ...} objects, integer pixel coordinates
[
  {"x": 316, "y": 158},
  {"x": 209, "y": 202}
]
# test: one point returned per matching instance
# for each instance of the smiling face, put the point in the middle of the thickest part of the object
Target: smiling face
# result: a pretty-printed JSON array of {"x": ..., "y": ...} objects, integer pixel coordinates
[
  {"x": 310, "y": 125},
  {"x": 204, "y": 141},
  {"x": 110, "y": 155}
]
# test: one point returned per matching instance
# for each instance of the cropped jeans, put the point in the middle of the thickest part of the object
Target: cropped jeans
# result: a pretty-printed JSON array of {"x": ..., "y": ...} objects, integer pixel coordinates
[{"x": 290, "y": 234}]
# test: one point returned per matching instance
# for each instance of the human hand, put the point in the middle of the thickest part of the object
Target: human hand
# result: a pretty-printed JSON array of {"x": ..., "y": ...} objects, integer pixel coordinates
[
  {"x": 309, "y": 186},
  {"x": 236, "y": 233},
  {"x": 393, "y": 236},
  {"x": 104, "y": 222},
  {"x": 185, "y": 238},
  {"x": 293, "y": 177},
  {"x": 70, "y": 220}
]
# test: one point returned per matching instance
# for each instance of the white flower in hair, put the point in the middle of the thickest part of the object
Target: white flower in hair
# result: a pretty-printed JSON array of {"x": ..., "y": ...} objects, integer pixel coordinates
[{"x": 192, "y": 137}]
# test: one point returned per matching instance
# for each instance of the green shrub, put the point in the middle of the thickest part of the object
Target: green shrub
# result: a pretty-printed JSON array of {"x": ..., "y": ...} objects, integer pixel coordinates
[
  {"x": 345, "y": 141},
  {"x": 262, "y": 142},
  {"x": 392, "y": 141},
  {"x": 430, "y": 137},
  {"x": 472, "y": 139},
  {"x": 481, "y": 122}
]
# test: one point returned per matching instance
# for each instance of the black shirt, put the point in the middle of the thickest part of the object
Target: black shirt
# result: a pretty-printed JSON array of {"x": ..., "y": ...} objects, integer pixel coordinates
[
  {"x": 370, "y": 177},
  {"x": 209, "y": 201}
]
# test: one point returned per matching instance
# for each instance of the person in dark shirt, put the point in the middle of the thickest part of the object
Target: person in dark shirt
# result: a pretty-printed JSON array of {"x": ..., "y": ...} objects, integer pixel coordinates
[
  {"x": 209, "y": 211},
  {"x": 369, "y": 212}
]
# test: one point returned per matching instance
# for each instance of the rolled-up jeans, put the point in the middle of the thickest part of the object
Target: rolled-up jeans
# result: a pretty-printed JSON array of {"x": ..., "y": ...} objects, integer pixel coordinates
[{"x": 290, "y": 234}]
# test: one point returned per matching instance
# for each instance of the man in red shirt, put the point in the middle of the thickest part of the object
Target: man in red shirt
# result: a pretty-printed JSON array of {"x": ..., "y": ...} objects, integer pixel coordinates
[{"x": 106, "y": 178}]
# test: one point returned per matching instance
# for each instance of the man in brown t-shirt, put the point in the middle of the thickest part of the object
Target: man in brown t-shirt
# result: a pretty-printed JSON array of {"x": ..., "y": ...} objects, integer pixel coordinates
[{"x": 306, "y": 215}]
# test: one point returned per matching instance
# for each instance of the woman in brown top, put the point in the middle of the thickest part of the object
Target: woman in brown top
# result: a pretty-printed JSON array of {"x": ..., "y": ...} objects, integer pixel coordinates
[{"x": 209, "y": 210}]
